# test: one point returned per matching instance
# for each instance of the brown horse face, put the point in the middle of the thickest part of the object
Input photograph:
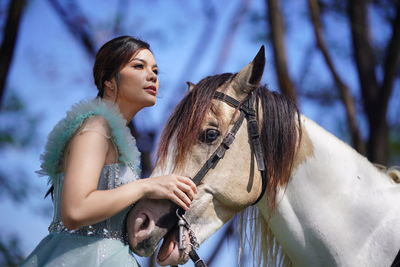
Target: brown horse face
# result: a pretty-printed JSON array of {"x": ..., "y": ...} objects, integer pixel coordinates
[{"x": 231, "y": 186}]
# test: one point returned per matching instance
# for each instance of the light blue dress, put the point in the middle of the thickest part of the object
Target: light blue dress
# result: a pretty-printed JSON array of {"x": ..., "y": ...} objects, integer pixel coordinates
[{"x": 100, "y": 244}]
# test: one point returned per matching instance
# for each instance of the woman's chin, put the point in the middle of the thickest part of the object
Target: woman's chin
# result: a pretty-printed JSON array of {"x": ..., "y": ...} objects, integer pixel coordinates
[
  {"x": 144, "y": 101},
  {"x": 150, "y": 101}
]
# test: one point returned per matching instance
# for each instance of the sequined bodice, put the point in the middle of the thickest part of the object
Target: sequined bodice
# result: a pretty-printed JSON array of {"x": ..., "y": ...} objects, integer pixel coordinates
[{"x": 112, "y": 176}]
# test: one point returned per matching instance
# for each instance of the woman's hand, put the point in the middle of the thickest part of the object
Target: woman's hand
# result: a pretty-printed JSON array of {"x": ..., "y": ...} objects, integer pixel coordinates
[{"x": 178, "y": 189}]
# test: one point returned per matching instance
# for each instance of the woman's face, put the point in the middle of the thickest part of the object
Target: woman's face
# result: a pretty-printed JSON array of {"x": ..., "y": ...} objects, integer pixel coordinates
[{"x": 138, "y": 82}]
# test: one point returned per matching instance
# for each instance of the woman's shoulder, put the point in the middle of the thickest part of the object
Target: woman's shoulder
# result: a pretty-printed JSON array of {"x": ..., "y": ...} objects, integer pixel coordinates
[
  {"x": 97, "y": 124},
  {"x": 97, "y": 115}
]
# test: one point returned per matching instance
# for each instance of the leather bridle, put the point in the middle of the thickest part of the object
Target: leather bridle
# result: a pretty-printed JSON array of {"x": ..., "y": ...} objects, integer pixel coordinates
[{"x": 247, "y": 112}]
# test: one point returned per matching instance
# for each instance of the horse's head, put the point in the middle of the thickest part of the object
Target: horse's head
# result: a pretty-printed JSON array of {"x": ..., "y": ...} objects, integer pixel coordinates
[{"x": 193, "y": 133}]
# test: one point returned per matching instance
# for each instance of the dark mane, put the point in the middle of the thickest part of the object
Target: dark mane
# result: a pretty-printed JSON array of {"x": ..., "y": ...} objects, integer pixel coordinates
[
  {"x": 280, "y": 136},
  {"x": 280, "y": 131}
]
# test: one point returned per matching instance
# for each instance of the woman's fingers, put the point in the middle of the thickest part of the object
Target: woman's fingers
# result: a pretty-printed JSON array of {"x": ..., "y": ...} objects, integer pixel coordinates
[
  {"x": 187, "y": 190},
  {"x": 178, "y": 201},
  {"x": 178, "y": 189},
  {"x": 182, "y": 196},
  {"x": 189, "y": 182}
]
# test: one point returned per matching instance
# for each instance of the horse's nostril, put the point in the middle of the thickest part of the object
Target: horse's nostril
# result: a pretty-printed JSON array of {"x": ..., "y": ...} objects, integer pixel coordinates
[{"x": 145, "y": 223}]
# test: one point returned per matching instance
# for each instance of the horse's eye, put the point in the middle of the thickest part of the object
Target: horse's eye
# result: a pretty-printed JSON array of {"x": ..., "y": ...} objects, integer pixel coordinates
[{"x": 208, "y": 136}]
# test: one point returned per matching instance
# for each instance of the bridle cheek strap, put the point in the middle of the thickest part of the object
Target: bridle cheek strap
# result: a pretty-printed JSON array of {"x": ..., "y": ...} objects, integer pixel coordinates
[
  {"x": 257, "y": 149},
  {"x": 246, "y": 112},
  {"x": 219, "y": 153}
]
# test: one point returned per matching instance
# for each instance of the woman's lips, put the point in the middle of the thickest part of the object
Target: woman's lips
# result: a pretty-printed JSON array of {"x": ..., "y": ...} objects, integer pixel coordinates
[{"x": 151, "y": 90}]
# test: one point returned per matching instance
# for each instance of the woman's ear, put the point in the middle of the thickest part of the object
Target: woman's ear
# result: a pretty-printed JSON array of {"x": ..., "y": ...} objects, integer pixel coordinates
[{"x": 110, "y": 89}]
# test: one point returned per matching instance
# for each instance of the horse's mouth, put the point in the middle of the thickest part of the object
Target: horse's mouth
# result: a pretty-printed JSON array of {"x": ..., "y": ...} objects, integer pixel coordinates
[{"x": 169, "y": 253}]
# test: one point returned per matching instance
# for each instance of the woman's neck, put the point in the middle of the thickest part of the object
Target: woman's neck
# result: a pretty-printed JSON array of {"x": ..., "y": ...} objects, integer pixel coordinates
[{"x": 128, "y": 111}]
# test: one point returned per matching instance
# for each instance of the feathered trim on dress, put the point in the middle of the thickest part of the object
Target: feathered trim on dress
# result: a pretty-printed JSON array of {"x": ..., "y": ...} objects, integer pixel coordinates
[{"x": 66, "y": 128}]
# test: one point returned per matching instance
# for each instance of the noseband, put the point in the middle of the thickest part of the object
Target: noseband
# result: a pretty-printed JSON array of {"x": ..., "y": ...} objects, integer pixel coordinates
[{"x": 247, "y": 112}]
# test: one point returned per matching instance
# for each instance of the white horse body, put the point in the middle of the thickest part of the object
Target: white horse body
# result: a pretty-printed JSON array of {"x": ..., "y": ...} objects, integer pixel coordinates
[{"x": 337, "y": 209}]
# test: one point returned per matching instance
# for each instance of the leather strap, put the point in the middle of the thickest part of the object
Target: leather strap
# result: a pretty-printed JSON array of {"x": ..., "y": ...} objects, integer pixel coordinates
[
  {"x": 196, "y": 259},
  {"x": 246, "y": 111},
  {"x": 254, "y": 137},
  {"x": 219, "y": 153}
]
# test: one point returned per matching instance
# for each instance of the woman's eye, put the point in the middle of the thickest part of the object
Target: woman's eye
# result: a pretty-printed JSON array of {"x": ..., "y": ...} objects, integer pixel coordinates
[
  {"x": 138, "y": 66},
  {"x": 209, "y": 136},
  {"x": 155, "y": 71}
]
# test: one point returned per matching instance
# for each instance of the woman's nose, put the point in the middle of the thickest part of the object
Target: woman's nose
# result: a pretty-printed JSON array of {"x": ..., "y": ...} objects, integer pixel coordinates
[{"x": 151, "y": 76}]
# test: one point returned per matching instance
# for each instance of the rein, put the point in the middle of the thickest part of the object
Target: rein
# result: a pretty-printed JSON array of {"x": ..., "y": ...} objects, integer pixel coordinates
[{"x": 247, "y": 112}]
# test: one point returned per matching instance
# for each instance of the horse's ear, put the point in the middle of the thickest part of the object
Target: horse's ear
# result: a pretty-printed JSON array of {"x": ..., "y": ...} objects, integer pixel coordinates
[
  {"x": 190, "y": 86},
  {"x": 250, "y": 76}
]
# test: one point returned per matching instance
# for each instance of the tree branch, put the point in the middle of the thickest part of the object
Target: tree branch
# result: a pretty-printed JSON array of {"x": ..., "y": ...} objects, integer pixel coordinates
[
  {"x": 391, "y": 64},
  {"x": 343, "y": 88},
  {"x": 120, "y": 15},
  {"x": 363, "y": 53},
  {"x": 231, "y": 30},
  {"x": 278, "y": 43},
  {"x": 200, "y": 48},
  {"x": 374, "y": 108},
  {"x": 10, "y": 34},
  {"x": 76, "y": 26}
]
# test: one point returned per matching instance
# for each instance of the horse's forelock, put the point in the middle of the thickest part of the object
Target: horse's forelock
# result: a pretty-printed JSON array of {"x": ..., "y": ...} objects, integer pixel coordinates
[{"x": 185, "y": 122}]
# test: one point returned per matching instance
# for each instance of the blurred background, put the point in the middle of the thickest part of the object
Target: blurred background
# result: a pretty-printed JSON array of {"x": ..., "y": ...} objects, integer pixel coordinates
[{"x": 339, "y": 60}]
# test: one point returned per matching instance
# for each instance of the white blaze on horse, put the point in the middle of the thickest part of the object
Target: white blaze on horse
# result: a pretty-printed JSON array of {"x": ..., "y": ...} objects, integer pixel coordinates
[{"x": 324, "y": 204}]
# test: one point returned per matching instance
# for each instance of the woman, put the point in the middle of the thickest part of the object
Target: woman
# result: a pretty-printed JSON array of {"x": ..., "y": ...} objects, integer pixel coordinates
[{"x": 93, "y": 164}]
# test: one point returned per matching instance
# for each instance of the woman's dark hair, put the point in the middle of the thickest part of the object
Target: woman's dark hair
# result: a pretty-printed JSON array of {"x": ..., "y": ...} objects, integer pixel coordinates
[{"x": 112, "y": 56}]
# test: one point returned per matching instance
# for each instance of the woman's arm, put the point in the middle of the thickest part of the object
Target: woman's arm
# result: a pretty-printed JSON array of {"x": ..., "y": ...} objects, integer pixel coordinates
[{"x": 82, "y": 204}]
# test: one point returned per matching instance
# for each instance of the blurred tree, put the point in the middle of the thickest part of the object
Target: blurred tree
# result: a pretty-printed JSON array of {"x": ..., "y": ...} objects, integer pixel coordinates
[
  {"x": 10, "y": 251},
  {"x": 344, "y": 91},
  {"x": 16, "y": 188},
  {"x": 375, "y": 95},
  {"x": 204, "y": 39},
  {"x": 17, "y": 131},
  {"x": 10, "y": 34},
  {"x": 237, "y": 18},
  {"x": 277, "y": 28},
  {"x": 77, "y": 25}
]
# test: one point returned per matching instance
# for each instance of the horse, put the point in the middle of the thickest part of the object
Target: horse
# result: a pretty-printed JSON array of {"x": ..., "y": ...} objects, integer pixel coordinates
[{"x": 324, "y": 203}]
